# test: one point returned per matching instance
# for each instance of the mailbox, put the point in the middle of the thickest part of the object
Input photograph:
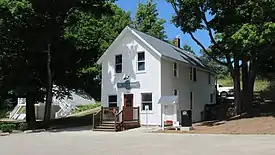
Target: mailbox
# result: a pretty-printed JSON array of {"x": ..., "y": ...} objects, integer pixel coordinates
[{"x": 186, "y": 118}]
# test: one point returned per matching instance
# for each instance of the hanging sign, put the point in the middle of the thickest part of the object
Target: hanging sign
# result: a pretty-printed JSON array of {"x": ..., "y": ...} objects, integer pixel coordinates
[{"x": 128, "y": 84}]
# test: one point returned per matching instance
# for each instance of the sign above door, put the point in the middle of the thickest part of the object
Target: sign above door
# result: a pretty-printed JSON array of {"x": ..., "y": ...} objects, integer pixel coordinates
[{"x": 128, "y": 84}]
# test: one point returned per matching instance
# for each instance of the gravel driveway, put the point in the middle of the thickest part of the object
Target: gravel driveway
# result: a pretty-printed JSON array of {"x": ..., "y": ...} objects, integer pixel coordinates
[{"x": 134, "y": 143}]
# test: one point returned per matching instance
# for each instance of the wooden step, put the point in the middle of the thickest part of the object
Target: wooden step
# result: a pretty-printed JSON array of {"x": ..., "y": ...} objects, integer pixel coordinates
[
  {"x": 108, "y": 122},
  {"x": 108, "y": 125},
  {"x": 104, "y": 129}
]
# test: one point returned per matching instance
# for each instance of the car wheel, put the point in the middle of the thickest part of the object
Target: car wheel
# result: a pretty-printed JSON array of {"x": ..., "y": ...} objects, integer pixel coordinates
[{"x": 223, "y": 94}]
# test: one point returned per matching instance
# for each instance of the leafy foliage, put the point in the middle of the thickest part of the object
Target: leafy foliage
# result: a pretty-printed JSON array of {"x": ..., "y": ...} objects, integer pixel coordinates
[
  {"x": 240, "y": 31},
  {"x": 147, "y": 21},
  {"x": 7, "y": 127},
  {"x": 188, "y": 49}
]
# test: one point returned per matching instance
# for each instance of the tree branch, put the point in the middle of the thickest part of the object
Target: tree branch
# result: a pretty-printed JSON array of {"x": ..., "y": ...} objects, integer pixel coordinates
[
  {"x": 210, "y": 32},
  {"x": 205, "y": 50}
]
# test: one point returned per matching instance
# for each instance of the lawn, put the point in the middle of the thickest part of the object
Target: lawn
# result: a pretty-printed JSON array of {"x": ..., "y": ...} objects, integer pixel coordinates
[
  {"x": 260, "y": 85},
  {"x": 83, "y": 108}
]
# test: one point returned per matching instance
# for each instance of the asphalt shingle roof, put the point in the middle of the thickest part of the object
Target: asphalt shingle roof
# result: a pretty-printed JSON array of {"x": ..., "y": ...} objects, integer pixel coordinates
[{"x": 171, "y": 51}]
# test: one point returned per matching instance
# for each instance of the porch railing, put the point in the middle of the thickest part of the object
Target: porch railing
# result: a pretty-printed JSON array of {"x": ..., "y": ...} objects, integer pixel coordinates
[
  {"x": 119, "y": 121},
  {"x": 126, "y": 115},
  {"x": 97, "y": 118},
  {"x": 108, "y": 113}
]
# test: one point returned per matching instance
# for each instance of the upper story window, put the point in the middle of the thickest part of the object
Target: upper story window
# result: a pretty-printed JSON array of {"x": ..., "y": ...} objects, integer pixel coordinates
[
  {"x": 141, "y": 61},
  {"x": 118, "y": 63},
  {"x": 193, "y": 74},
  {"x": 209, "y": 78},
  {"x": 175, "y": 70}
]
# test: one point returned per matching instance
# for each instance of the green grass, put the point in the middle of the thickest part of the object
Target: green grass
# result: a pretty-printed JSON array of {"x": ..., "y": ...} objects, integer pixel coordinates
[
  {"x": 260, "y": 85},
  {"x": 83, "y": 108}
]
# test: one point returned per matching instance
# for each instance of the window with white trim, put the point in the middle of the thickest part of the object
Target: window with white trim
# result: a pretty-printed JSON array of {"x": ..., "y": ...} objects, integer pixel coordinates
[
  {"x": 112, "y": 100},
  {"x": 118, "y": 61},
  {"x": 141, "y": 61},
  {"x": 193, "y": 74},
  {"x": 146, "y": 100},
  {"x": 175, "y": 69},
  {"x": 209, "y": 78}
]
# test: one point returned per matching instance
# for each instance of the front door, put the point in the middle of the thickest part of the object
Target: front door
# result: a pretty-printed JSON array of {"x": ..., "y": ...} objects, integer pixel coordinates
[{"x": 128, "y": 107}]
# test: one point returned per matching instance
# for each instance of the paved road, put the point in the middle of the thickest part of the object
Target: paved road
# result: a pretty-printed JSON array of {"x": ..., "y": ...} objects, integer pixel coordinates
[{"x": 134, "y": 143}]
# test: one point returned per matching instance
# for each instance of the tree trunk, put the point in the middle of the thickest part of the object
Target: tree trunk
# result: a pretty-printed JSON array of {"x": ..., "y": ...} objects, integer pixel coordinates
[
  {"x": 237, "y": 87},
  {"x": 30, "y": 110},
  {"x": 245, "y": 82},
  {"x": 48, "y": 105},
  {"x": 248, "y": 85}
]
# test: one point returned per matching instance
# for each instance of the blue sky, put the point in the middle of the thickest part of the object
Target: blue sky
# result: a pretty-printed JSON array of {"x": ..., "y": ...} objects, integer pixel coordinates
[{"x": 166, "y": 11}]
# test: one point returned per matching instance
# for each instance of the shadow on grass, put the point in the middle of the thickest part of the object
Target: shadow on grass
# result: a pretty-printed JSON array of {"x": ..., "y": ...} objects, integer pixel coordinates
[{"x": 73, "y": 123}]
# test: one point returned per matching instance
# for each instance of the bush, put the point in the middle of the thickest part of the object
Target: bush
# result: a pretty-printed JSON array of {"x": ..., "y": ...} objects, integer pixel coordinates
[
  {"x": 22, "y": 126},
  {"x": 8, "y": 127}
]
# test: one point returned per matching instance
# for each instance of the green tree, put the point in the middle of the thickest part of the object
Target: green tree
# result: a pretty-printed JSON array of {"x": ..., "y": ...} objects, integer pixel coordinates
[
  {"x": 95, "y": 35},
  {"x": 226, "y": 32},
  {"x": 220, "y": 70},
  {"x": 27, "y": 29},
  {"x": 188, "y": 49},
  {"x": 147, "y": 20}
]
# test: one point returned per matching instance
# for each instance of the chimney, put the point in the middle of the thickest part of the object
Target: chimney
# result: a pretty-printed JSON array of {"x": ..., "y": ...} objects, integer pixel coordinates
[{"x": 176, "y": 41}]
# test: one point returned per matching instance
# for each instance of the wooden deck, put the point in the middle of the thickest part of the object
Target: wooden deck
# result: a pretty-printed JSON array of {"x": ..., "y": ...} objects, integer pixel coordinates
[{"x": 110, "y": 119}]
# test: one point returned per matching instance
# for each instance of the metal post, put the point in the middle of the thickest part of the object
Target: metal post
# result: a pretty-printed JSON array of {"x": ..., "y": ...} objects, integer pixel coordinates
[{"x": 146, "y": 109}]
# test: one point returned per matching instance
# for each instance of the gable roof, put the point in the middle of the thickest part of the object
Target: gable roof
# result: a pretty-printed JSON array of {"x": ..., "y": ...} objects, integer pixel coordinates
[{"x": 165, "y": 49}]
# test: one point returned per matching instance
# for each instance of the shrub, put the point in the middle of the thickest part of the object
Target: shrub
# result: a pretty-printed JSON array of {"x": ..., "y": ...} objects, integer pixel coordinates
[
  {"x": 8, "y": 127},
  {"x": 22, "y": 126}
]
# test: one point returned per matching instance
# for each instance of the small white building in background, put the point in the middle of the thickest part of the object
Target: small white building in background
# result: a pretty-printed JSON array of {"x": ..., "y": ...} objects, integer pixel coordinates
[
  {"x": 61, "y": 107},
  {"x": 139, "y": 70}
]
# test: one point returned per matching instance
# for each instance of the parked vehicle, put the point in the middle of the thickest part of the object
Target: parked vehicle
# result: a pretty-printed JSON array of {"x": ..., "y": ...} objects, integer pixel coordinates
[{"x": 225, "y": 91}]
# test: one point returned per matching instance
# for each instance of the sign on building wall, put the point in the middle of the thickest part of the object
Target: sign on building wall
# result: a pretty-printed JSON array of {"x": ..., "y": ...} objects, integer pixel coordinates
[{"x": 128, "y": 84}]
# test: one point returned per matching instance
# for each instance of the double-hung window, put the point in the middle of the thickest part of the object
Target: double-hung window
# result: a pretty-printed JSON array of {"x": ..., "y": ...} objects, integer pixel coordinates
[
  {"x": 209, "y": 78},
  {"x": 141, "y": 61},
  {"x": 112, "y": 100},
  {"x": 118, "y": 62},
  {"x": 146, "y": 100},
  {"x": 175, "y": 69},
  {"x": 193, "y": 74}
]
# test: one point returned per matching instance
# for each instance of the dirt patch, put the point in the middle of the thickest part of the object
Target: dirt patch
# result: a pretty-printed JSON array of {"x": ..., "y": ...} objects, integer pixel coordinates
[{"x": 257, "y": 125}]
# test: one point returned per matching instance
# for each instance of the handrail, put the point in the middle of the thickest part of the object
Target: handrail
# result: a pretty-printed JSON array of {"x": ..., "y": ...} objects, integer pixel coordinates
[
  {"x": 119, "y": 124},
  {"x": 99, "y": 113}
]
